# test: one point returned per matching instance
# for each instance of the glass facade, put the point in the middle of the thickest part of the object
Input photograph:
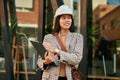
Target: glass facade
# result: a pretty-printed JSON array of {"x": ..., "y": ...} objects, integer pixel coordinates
[
  {"x": 2, "y": 60},
  {"x": 105, "y": 51},
  {"x": 23, "y": 53},
  {"x": 104, "y": 59}
]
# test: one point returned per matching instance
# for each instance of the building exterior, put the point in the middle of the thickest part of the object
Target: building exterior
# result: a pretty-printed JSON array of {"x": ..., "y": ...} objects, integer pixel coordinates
[
  {"x": 34, "y": 19},
  {"x": 95, "y": 3},
  {"x": 106, "y": 17},
  {"x": 31, "y": 20}
]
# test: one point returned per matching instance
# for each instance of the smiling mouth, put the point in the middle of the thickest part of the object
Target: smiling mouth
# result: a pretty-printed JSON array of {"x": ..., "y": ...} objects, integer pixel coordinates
[{"x": 67, "y": 24}]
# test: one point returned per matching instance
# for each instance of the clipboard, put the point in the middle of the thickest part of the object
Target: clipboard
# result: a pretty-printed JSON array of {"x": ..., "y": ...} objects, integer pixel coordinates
[{"x": 39, "y": 47}]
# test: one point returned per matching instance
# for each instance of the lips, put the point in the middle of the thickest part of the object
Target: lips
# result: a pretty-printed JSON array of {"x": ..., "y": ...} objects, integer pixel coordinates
[{"x": 66, "y": 24}]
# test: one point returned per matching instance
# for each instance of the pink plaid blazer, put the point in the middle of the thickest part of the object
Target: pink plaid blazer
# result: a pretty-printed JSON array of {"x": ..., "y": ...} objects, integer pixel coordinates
[{"x": 74, "y": 46}]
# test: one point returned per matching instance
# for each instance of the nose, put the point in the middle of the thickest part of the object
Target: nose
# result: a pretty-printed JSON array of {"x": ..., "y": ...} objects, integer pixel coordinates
[{"x": 67, "y": 19}]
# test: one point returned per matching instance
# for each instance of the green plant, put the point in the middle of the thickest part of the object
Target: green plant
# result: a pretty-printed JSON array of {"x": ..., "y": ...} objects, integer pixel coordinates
[{"x": 93, "y": 34}]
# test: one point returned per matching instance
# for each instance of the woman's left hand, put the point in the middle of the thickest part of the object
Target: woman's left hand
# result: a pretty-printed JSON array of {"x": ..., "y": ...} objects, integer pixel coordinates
[
  {"x": 49, "y": 58},
  {"x": 48, "y": 47}
]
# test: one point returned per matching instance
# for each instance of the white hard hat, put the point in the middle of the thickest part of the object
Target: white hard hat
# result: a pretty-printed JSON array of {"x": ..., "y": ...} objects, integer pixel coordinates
[{"x": 63, "y": 9}]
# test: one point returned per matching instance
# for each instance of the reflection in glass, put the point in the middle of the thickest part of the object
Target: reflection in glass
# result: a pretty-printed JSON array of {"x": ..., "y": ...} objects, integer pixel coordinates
[
  {"x": 106, "y": 50},
  {"x": 2, "y": 59}
]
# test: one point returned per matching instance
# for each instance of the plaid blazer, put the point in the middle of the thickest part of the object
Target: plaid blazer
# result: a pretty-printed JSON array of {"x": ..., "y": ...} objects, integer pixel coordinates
[{"x": 74, "y": 46}]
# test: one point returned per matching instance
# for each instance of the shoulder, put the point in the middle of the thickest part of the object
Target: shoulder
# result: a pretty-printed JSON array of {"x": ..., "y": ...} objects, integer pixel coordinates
[
  {"x": 77, "y": 35},
  {"x": 48, "y": 36}
]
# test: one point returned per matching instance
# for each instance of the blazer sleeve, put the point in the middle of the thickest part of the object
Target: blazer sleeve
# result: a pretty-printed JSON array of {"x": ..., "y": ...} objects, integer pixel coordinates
[
  {"x": 40, "y": 63},
  {"x": 75, "y": 53}
]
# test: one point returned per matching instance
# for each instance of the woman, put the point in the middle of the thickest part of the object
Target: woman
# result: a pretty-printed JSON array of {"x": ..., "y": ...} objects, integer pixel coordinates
[{"x": 57, "y": 63}]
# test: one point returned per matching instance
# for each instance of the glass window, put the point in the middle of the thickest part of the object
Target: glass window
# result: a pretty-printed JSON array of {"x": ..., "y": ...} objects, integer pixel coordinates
[
  {"x": 105, "y": 59},
  {"x": 2, "y": 59},
  {"x": 23, "y": 53},
  {"x": 115, "y": 23},
  {"x": 0, "y": 33},
  {"x": 24, "y": 5},
  {"x": 25, "y": 48},
  {"x": 104, "y": 27}
]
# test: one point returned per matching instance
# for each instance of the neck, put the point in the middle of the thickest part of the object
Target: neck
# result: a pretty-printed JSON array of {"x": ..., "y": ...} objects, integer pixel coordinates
[{"x": 63, "y": 32}]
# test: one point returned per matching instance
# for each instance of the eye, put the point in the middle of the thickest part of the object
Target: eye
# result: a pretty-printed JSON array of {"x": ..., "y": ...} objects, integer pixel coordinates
[
  {"x": 62, "y": 17},
  {"x": 69, "y": 17}
]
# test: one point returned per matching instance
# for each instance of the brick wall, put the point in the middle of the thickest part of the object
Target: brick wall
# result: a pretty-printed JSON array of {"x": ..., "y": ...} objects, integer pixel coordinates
[{"x": 29, "y": 17}]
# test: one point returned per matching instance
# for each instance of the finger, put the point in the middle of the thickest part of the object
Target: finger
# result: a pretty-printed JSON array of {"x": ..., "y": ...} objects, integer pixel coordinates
[
  {"x": 46, "y": 54},
  {"x": 46, "y": 43}
]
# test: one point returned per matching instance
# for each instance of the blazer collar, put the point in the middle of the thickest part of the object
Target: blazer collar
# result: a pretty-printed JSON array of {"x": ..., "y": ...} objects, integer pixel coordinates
[{"x": 69, "y": 37}]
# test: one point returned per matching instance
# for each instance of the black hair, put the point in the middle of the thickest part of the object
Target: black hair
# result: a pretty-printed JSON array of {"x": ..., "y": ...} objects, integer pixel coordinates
[{"x": 57, "y": 25}]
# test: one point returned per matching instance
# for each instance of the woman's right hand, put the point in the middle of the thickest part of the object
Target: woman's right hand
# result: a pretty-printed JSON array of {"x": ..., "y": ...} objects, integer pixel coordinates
[{"x": 49, "y": 57}]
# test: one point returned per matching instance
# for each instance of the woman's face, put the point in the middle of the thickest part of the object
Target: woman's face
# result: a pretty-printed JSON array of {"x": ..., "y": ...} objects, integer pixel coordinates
[{"x": 65, "y": 21}]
